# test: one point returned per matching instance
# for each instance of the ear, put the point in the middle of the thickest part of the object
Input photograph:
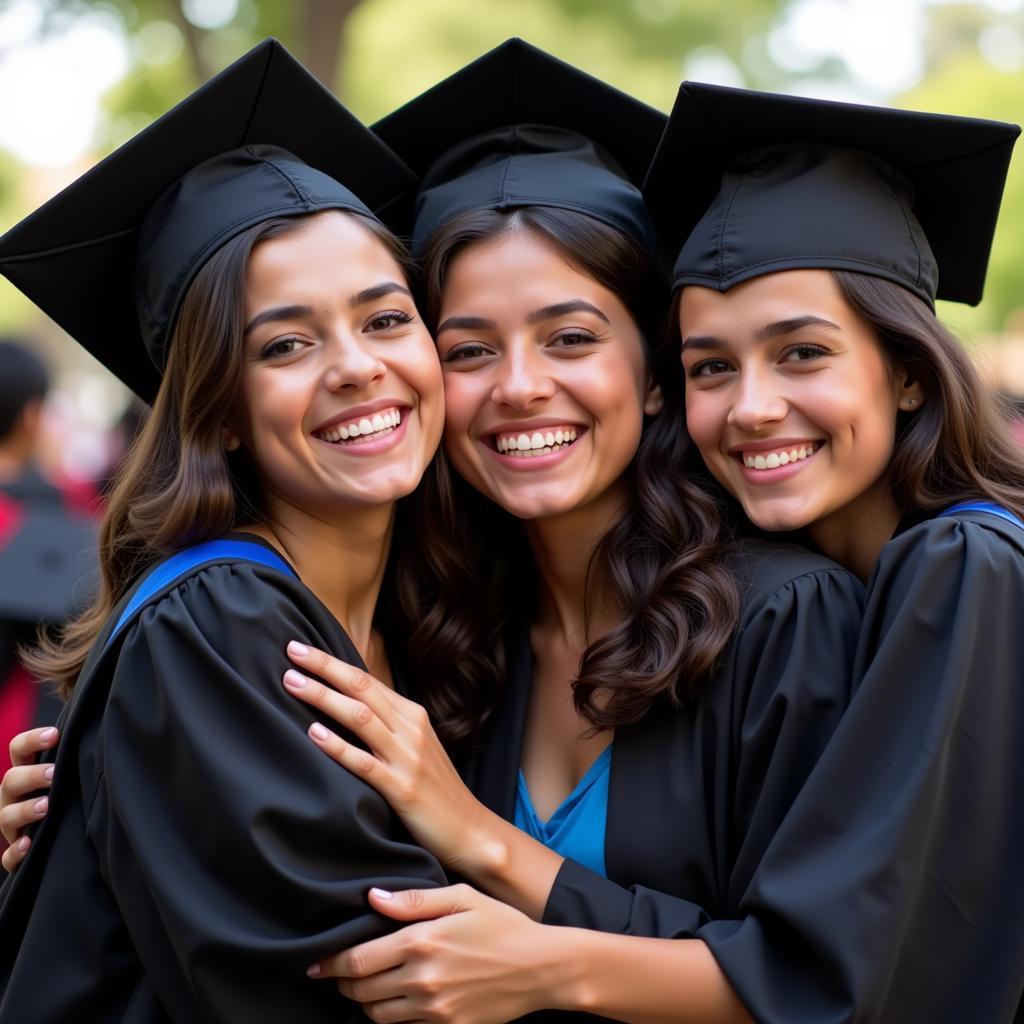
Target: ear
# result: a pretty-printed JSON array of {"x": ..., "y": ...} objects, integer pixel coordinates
[
  {"x": 910, "y": 395},
  {"x": 654, "y": 401},
  {"x": 229, "y": 439}
]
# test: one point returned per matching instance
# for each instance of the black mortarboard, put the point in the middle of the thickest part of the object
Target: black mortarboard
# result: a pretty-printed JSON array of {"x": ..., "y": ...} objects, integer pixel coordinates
[
  {"x": 110, "y": 257},
  {"x": 748, "y": 183},
  {"x": 518, "y": 127}
]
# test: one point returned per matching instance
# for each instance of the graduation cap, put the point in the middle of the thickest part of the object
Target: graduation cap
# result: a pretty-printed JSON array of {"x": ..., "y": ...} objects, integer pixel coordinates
[
  {"x": 518, "y": 127},
  {"x": 48, "y": 567},
  {"x": 111, "y": 257},
  {"x": 748, "y": 183}
]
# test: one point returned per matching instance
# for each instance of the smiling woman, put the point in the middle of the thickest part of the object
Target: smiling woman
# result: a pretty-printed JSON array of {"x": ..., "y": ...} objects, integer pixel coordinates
[{"x": 275, "y": 307}]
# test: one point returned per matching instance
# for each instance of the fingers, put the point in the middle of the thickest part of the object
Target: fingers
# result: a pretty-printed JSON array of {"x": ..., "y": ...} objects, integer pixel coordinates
[
  {"x": 367, "y": 959},
  {"x": 354, "y": 715},
  {"x": 347, "y": 679},
  {"x": 14, "y": 855},
  {"x": 26, "y": 745},
  {"x": 423, "y": 904},
  {"x": 15, "y": 810},
  {"x": 392, "y": 1011}
]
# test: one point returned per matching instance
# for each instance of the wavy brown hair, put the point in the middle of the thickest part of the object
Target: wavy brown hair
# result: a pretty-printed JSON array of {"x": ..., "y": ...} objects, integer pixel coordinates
[
  {"x": 957, "y": 446},
  {"x": 662, "y": 561},
  {"x": 178, "y": 486}
]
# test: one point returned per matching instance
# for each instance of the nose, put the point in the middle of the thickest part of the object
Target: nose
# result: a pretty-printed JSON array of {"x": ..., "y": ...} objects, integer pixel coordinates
[
  {"x": 523, "y": 379},
  {"x": 351, "y": 362},
  {"x": 758, "y": 401}
]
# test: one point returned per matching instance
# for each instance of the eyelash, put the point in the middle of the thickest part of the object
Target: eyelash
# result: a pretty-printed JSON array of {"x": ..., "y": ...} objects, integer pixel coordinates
[
  {"x": 697, "y": 368},
  {"x": 579, "y": 337},
  {"x": 391, "y": 314},
  {"x": 269, "y": 350},
  {"x": 814, "y": 350},
  {"x": 468, "y": 350}
]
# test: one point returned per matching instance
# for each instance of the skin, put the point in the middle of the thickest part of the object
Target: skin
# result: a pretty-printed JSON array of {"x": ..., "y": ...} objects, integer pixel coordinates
[{"x": 783, "y": 362}]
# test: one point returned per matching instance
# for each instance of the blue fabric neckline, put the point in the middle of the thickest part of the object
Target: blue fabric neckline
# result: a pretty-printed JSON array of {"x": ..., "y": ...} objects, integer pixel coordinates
[
  {"x": 983, "y": 506},
  {"x": 577, "y": 827}
]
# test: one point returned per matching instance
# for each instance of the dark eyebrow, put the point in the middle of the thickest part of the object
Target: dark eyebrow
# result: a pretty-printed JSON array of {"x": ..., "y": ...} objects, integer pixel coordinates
[
  {"x": 700, "y": 341},
  {"x": 277, "y": 313},
  {"x": 789, "y": 326},
  {"x": 773, "y": 330},
  {"x": 468, "y": 323},
  {"x": 378, "y": 291},
  {"x": 564, "y": 308}
]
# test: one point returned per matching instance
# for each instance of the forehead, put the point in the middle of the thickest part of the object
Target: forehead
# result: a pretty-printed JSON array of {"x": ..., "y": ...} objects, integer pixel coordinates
[
  {"x": 331, "y": 251},
  {"x": 516, "y": 273},
  {"x": 765, "y": 299}
]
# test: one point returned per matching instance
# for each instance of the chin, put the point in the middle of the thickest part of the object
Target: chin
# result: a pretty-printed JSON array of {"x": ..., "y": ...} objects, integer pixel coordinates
[{"x": 778, "y": 520}]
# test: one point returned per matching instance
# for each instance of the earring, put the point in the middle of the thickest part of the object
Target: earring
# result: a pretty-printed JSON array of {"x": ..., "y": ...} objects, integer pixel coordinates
[{"x": 911, "y": 402}]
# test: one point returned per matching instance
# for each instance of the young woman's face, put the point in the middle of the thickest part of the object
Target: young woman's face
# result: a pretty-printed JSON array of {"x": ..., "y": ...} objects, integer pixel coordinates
[
  {"x": 788, "y": 397},
  {"x": 341, "y": 398},
  {"x": 545, "y": 377}
]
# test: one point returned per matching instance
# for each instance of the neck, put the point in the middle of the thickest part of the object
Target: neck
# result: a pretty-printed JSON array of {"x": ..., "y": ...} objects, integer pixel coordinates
[
  {"x": 341, "y": 559},
  {"x": 854, "y": 535},
  {"x": 562, "y": 547}
]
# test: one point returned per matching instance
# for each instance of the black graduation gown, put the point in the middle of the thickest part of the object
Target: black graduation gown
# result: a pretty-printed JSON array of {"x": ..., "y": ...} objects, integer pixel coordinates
[
  {"x": 698, "y": 792},
  {"x": 894, "y": 891},
  {"x": 200, "y": 852}
]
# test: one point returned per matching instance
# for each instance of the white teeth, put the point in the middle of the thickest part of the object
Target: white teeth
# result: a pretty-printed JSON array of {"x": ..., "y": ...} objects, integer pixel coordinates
[
  {"x": 378, "y": 423},
  {"x": 540, "y": 442},
  {"x": 773, "y": 460}
]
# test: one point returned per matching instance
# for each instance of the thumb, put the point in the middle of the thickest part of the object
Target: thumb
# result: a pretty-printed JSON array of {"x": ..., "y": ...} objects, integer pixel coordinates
[{"x": 422, "y": 904}]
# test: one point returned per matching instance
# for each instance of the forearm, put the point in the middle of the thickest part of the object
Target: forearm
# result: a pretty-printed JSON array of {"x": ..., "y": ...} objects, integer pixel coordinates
[
  {"x": 509, "y": 865},
  {"x": 644, "y": 981}
]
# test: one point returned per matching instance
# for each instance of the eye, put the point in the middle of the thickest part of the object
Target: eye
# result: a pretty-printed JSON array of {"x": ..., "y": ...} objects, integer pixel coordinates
[
  {"x": 388, "y": 319},
  {"x": 803, "y": 353},
  {"x": 465, "y": 352},
  {"x": 709, "y": 368},
  {"x": 280, "y": 347},
  {"x": 572, "y": 339}
]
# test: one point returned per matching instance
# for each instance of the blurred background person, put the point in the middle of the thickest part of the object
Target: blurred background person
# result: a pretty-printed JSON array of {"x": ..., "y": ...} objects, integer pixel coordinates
[{"x": 47, "y": 542}]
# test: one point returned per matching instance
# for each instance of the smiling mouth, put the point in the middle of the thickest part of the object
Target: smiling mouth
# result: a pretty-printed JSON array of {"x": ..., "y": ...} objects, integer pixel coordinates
[
  {"x": 362, "y": 429},
  {"x": 536, "y": 442},
  {"x": 778, "y": 457}
]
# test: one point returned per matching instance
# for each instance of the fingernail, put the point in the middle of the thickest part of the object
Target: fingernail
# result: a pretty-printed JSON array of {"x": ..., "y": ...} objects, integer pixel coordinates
[
  {"x": 48, "y": 735},
  {"x": 314, "y": 971},
  {"x": 24, "y": 843},
  {"x": 40, "y": 805},
  {"x": 382, "y": 894},
  {"x": 294, "y": 680},
  {"x": 299, "y": 650},
  {"x": 318, "y": 732},
  {"x": 48, "y": 772}
]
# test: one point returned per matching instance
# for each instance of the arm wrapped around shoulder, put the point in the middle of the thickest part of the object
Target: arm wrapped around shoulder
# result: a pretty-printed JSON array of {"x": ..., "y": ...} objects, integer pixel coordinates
[{"x": 237, "y": 852}]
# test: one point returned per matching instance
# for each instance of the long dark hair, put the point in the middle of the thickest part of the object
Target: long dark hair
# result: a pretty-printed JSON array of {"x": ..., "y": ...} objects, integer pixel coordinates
[
  {"x": 178, "y": 486},
  {"x": 957, "y": 446},
  {"x": 662, "y": 560}
]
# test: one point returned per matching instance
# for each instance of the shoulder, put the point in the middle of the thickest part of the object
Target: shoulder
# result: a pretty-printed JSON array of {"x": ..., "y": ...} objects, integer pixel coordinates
[
  {"x": 775, "y": 575},
  {"x": 949, "y": 560}
]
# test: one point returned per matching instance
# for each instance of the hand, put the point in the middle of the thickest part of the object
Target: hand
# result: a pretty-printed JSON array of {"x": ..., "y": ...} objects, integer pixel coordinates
[
  {"x": 23, "y": 778},
  {"x": 469, "y": 960},
  {"x": 406, "y": 763}
]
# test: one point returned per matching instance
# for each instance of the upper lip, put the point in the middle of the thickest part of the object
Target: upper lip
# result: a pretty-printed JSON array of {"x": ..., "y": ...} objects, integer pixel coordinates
[
  {"x": 526, "y": 426},
  {"x": 359, "y": 411},
  {"x": 772, "y": 444}
]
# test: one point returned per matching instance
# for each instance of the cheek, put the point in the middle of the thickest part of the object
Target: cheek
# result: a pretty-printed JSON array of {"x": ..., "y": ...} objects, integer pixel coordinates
[{"x": 705, "y": 420}]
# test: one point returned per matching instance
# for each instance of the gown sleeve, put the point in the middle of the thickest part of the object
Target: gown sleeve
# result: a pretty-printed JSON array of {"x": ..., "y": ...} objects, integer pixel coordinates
[
  {"x": 774, "y": 703},
  {"x": 237, "y": 853},
  {"x": 893, "y": 892}
]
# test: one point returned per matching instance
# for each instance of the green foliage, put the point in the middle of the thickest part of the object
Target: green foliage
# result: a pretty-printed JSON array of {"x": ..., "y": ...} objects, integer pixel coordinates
[{"x": 966, "y": 84}]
